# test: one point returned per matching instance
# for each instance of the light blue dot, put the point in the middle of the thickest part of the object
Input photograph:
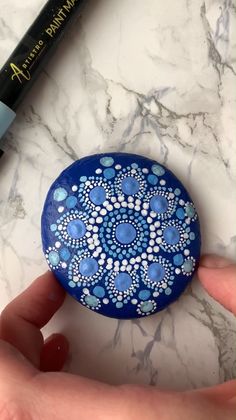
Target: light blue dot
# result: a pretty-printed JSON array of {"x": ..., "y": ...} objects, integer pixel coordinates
[
  {"x": 91, "y": 301},
  {"x": 180, "y": 214},
  {"x": 60, "y": 194},
  {"x": 146, "y": 307},
  {"x": 159, "y": 204},
  {"x": 65, "y": 254},
  {"x": 158, "y": 170},
  {"x": 119, "y": 305},
  {"x": 123, "y": 282},
  {"x": 125, "y": 233},
  {"x": 76, "y": 229},
  {"x": 88, "y": 267},
  {"x": 97, "y": 195},
  {"x": 99, "y": 291},
  {"x": 144, "y": 294},
  {"x": 72, "y": 284},
  {"x": 109, "y": 173},
  {"x": 134, "y": 166},
  {"x": 177, "y": 191},
  {"x": 53, "y": 227},
  {"x": 188, "y": 266},
  {"x": 171, "y": 235},
  {"x": 83, "y": 179},
  {"x": 168, "y": 291},
  {"x": 190, "y": 210},
  {"x": 178, "y": 259},
  {"x": 54, "y": 258},
  {"x": 152, "y": 179},
  {"x": 107, "y": 161},
  {"x": 130, "y": 185},
  {"x": 156, "y": 272},
  {"x": 71, "y": 202}
]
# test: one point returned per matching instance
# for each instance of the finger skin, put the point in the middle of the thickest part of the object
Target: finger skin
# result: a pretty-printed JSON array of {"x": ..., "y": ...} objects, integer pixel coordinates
[
  {"x": 220, "y": 283},
  {"x": 22, "y": 319}
]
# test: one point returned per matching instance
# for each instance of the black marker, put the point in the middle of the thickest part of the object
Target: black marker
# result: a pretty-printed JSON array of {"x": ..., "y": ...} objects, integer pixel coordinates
[{"x": 29, "y": 57}]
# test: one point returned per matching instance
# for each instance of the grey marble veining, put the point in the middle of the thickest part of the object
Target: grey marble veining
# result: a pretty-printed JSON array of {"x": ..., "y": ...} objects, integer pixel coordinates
[{"x": 155, "y": 78}]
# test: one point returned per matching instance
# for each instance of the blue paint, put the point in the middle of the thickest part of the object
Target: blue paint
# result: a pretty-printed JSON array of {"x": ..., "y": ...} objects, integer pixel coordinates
[
  {"x": 144, "y": 294},
  {"x": 159, "y": 204},
  {"x": 178, "y": 259},
  {"x": 60, "y": 194},
  {"x": 88, "y": 267},
  {"x": 109, "y": 173},
  {"x": 76, "y": 229},
  {"x": 125, "y": 233},
  {"x": 156, "y": 272},
  {"x": 98, "y": 195},
  {"x": 171, "y": 235},
  {"x": 71, "y": 202},
  {"x": 130, "y": 186},
  {"x": 123, "y": 282},
  {"x": 99, "y": 291}
]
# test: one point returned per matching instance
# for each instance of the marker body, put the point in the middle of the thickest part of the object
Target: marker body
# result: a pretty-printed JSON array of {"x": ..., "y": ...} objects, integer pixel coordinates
[{"x": 34, "y": 50}]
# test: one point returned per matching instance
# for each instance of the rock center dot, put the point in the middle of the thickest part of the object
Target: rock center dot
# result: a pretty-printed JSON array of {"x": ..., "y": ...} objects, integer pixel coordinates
[{"x": 125, "y": 233}]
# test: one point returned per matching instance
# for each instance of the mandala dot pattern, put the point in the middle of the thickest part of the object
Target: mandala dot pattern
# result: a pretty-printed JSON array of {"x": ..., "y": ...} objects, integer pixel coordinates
[{"x": 121, "y": 234}]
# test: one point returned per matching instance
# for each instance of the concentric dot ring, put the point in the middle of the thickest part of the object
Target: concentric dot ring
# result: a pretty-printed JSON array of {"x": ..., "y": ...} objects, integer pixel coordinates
[{"x": 121, "y": 234}]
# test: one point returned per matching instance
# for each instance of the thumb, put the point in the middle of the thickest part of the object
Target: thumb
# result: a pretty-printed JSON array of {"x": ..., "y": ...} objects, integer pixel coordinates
[{"x": 218, "y": 277}]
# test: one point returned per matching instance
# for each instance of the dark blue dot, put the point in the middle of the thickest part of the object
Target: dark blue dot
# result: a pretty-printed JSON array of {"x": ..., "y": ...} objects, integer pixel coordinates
[
  {"x": 71, "y": 202},
  {"x": 159, "y": 204},
  {"x": 99, "y": 291},
  {"x": 171, "y": 235},
  {"x": 125, "y": 233},
  {"x": 65, "y": 254},
  {"x": 98, "y": 195},
  {"x": 178, "y": 259},
  {"x": 76, "y": 229},
  {"x": 123, "y": 282},
  {"x": 144, "y": 294},
  {"x": 156, "y": 272},
  {"x": 180, "y": 214},
  {"x": 152, "y": 179},
  {"x": 88, "y": 267},
  {"x": 109, "y": 173},
  {"x": 130, "y": 186}
]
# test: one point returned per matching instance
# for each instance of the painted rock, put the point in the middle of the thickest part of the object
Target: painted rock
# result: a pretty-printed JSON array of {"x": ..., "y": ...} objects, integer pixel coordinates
[{"x": 121, "y": 234}]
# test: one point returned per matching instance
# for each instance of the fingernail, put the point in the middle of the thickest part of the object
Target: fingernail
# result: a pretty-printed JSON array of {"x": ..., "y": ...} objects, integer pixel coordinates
[{"x": 214, "y": 261}]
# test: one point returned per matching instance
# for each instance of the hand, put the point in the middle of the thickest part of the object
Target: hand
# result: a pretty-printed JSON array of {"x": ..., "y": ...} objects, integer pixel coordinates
[{"x": 31, "y": 386}]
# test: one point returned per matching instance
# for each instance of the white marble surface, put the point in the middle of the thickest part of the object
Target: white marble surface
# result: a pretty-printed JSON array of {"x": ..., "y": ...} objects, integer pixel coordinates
[{"x": 152, "y": 77}]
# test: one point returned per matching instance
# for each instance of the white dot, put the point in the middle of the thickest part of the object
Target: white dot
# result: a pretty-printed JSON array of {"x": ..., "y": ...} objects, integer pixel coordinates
[
  {"x": 57, "y": 244},
  {"x": 151, "y": 242},
  {"x": 155, "y": 294},
  {"x": 156, "y": 249},
  {"x": 89, "y": 227},
  {"x": 146, "y": 205},
  {"x": 181, "y": 202},
  {"x": 87, "y": 234},
  {"x": 150, "y": 257},
  {"x": 110, "y": 260},
  {"x": 101, "y": 262},
  {"x": 124, "y": 204},
  {"x": 136, "y": 266},
  {"x": 171, "y": 195},
  {"x": 95, "y": 236},
  {"x": 129, "y": 267},
  {"x": 99, "y": 248},
  {"x": 158, "y": 240},
  {"x": 105, "y": 301},
  {"x": 103, "y": 212},
  {"x": 60, "y": 209},
  {"x": 94, "y": 213},
  {"x": 117, "y": 263},
  {"x": 121, "y": 198},
  {"x": 149, "y": 250},
  {"x": 144, "y": 263},
  {"x": 157, "y": 224},
  {"x": 149, "y": 220},
  {"x": 95, "y": 254},
  {"x": 164, "y": 285},
  {"x": 186, "y": 252},
  {"x": 132, "y": 261},
  {"x": 153, "y": 214},
  {"x": 162, "y": 182},
  {"x": 109, "y": 207},
  {"x": 130, "y": 199},
  {"x": 145, "y": 170},
  {"x": 134, "y": 301},
  {"x": 152, "y": 228},
  {"x": 90, "y": 240},
  {"x": 98, "y": 171},
  {"x": 91, "y": 247},
  {"x": 117, "y": 205},
  {"x": 99, "y": 220},
  {"x": 86, "y": 291},
  {"x": 109, "y": 267},
  {"x": 95, "y": 229},
  {"x": 103, "y": 256},
  {"x": 87, "y": 183},
  {"x": 119, "y": 298},
  {"x": 185, "y": 235},
  {"x": 106, "y": 203},
  {"x": 113, "y": 199},
  {"x": 137, "y": 208},
  {"x": 144, "y": 213},
  {"x": 152, "y": 235},
  {"x": 159, "y": 232},
  {"x": 75, "y": 279},
  {"x": 177, "y": 270},
  {"x": 122, "y": 268},
  {"x": 64, "y": 265},
  {"x": 138, "y": 259},
  {"x": 125, "y": 262},
  {"x": 188, "y": 221},
  {"x": 116, "y": 268},
  {"x": 133, "y": 171},
  {"x": 144, "y": 255},
  {"x": 118, "y": 167},
  {"x": 138, "y": 202},
  {"x": 74, "y": 188},
  {"x": 131, "y": 205},
  {"x": 92, "y": 221}
]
